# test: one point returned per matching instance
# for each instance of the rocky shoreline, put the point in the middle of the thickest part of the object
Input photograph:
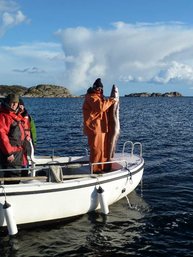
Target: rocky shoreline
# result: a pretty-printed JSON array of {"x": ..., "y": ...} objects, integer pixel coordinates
[
  {"x": 42, "y": 90},
  {"x": 48, "y": 90},
  {"x": 167, "y": 94}
]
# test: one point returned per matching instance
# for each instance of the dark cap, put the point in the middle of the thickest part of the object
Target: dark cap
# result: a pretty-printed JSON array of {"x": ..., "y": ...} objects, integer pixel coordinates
[
  {"x": 98, "y": 83},
  {"x": 12, "y": 98}
]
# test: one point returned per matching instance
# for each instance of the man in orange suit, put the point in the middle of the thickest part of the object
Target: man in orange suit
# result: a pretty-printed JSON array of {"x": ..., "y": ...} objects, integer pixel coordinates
[{"x": 95, "y": 109}]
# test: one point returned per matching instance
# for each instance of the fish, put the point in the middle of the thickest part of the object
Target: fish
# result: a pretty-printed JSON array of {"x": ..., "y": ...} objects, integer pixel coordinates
[{"x": 113, "y": 125}]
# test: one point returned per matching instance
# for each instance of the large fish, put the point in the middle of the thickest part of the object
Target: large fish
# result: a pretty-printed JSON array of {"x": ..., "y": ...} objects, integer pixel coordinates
[{"x": 113, "y": 124}]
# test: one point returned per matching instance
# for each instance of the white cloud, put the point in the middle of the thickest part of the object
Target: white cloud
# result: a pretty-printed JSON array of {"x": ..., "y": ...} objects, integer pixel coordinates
[
  {"x": 8, "y": 5},
  {"x": 31, "y": 64},
  {"x": 29, "y": 70},
  {"x": 10, "y": 16},
  {"x": 13, "y": 20},
  {"x": 140, "y": 53},
  {"x": 175, "y": 72}
]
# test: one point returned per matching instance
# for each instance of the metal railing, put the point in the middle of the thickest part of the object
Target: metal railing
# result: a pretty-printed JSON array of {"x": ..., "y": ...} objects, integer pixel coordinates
[
  {"x": 132, "y": 145},
  {"x": 57, "y": 150},
  {"x": 33, "y": 168}
]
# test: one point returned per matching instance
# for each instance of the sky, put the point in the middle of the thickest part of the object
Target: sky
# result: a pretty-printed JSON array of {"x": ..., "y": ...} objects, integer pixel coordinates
[{"x": 139, "y": 45}]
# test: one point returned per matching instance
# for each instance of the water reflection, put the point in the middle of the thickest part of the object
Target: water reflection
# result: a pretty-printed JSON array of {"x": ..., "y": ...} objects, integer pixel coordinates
[
  {"x": 90, "y": 235},
  {"x": 113, "y": 233}
]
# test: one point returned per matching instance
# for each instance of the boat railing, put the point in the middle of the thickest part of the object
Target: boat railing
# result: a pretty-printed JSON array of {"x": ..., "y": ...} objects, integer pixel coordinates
[
  {"x": 46, "y": 177},
  {"x": 132, "y": 145},
  {"x": 58, "y": 150},
  {"x": 74, "y": 164}
]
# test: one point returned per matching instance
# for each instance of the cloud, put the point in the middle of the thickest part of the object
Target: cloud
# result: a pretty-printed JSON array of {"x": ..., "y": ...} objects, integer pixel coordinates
[
  {"x": 31, "y": 64},
  {"x": 8, "y": 5},
  {"x": 34, "y": 70},
  {"x": 10, "y": 16},
  {"x": 125, "y": 54},
  {"x": 158, "y": 53},
  {"x": 13, "y": 20},
  {"x": 175, "y": 72}
]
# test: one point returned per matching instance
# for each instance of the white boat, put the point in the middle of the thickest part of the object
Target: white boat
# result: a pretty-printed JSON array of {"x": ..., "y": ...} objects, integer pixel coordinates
[{"x": 75, "y": 190}]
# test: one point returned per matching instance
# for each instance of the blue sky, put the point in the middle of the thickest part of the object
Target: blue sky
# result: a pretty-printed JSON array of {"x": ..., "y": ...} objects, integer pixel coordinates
[{"x": 139, "y": 45}]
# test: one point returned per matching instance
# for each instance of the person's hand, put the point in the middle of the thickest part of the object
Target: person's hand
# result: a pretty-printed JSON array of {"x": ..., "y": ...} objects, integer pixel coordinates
[
  {"x": 10, "y": 158},
  {"x": 116, "y": 100},
  {"x": 28, "y": 138}
]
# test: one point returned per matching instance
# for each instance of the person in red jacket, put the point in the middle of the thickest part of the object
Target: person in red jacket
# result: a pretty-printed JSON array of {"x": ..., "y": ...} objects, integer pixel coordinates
[
  {"x": 12, "y": 136},
  {"x": 95, "y": 109}
]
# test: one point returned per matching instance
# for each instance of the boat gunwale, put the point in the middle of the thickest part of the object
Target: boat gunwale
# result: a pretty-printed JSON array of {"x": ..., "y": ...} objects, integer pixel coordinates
[{"x": 100, "y": 179}]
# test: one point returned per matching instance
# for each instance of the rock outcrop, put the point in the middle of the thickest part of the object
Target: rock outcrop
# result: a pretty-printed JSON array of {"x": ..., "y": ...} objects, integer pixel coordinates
[
  {"x": 5, "y": 90},
  {"x": 170, "y": 94},
  {"x": 42, "y": 90},
  {"x": 47, "y": 91}
]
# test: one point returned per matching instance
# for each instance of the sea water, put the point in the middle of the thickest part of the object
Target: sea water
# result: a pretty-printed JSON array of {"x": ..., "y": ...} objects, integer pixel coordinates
[{"x": 158, "y": 219}]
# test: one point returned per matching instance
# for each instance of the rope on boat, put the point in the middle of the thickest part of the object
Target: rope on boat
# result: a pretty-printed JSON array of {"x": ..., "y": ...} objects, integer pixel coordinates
[
  {"x": 4, "y": 192},
  {"x": 130, "y": 206},
  {"x": 129, "y": 174},
  {"x": 141, "y": 188}
]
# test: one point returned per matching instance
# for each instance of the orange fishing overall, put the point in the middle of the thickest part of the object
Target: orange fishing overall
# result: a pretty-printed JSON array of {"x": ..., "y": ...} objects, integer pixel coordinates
[{"x": 96, "y": 126}]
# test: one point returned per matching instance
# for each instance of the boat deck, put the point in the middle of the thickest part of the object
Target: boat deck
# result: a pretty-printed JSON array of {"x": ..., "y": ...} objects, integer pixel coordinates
[{"x": 81, "y": 165}]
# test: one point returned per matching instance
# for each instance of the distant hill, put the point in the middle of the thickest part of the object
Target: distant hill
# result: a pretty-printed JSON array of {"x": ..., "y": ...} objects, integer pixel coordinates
[
  {"x": 42, "y": 90},
  {"x": 5, "y": 90},
  {"x": 144, "y": 94}
]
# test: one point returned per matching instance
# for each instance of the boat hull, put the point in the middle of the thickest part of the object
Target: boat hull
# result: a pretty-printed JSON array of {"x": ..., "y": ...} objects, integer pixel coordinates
[{"x": 41, "y": 201}]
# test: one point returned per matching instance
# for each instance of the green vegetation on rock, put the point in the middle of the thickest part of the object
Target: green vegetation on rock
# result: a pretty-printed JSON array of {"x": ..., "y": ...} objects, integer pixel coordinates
[{"x": 42, "y": 90}]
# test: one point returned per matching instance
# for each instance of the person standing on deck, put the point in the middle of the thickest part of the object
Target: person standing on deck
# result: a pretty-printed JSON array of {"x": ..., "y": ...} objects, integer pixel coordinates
[
  {"x": 30, "y": 134},
  {"x": 12, "y": 136},
  {"x": 30, "y": 127},
  {"x": 95, "y": 109}
]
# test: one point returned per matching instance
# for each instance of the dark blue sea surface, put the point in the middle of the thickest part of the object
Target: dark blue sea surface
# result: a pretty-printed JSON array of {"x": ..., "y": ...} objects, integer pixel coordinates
[{"x": 159, "y": 221}]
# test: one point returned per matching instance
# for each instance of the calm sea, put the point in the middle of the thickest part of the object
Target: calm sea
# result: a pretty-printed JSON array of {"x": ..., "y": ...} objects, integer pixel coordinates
[{"x": 159, "y": 221}]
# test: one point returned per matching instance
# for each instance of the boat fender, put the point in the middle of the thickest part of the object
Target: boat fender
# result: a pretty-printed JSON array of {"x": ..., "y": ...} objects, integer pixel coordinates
[
  {"x": 11, "y": 224},
  {"x": 102, "y": 200}
]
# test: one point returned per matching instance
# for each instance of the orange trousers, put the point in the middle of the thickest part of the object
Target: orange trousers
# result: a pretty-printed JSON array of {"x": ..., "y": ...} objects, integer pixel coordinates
[{"x": 96, "y": 143}]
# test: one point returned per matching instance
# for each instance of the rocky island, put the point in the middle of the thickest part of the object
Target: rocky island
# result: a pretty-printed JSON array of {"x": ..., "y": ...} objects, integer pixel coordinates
[
  {"x": 49, "y": 90},
  {"x": 170, "y": 94},
  {"x": 42, "y": 90}
]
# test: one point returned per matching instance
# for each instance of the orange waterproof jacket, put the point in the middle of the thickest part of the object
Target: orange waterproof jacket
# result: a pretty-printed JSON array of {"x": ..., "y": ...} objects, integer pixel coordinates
[{"x": 94, "y": 113}]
